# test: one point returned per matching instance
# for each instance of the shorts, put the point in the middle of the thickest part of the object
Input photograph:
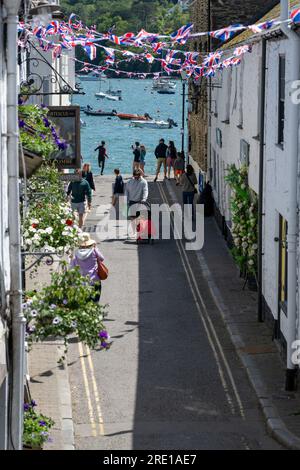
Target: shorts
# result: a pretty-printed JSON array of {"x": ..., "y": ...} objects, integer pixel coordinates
[
  {"x": 170, "y": 162},
  {"x": 79, "y": 207},
  {"x": 160, "y": 162},
  {"x": 179, "y": 172}
]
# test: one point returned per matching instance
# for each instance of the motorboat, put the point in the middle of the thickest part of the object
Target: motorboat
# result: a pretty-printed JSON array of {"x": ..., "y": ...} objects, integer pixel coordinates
[
  {"x": 163, "y": 83},
  {"x": 165, "y": 88},
  {"x": 91, "y": 112},
  {"x": 152, "y": 124},
  {"x": 135, "y": 117}
]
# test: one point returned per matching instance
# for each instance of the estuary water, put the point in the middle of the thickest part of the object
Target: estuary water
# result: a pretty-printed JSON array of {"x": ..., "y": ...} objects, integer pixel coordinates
[{"x": 137, "y": 98}]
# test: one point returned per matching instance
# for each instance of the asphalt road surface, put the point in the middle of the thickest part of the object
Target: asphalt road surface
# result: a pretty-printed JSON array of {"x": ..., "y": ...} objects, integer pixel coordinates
[{"x": 172, "y": 379}]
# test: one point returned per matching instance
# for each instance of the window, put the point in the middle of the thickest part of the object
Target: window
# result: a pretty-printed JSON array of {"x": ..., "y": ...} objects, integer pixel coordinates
[{"x": 281, "y": 99}]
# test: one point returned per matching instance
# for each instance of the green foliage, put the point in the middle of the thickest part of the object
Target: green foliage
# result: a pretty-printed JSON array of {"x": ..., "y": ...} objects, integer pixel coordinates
[
  {"x": 49, "y": 224},
  {"x": 244, "y": 219},
  {"x": 36, "y": 427},
  {"x": 128, "y": 15},
  {"x": 35, "y": 135},
  {"x": 66, "y": 307}
]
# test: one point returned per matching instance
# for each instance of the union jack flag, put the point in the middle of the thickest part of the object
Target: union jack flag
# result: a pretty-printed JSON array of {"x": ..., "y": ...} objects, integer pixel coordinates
[
  {"x": 115, "y": 39},
  {"x": 53, "y": 27},
  {"x": 182, "y": 34},
  {"x": 230, "y": 62},
  {"x": 295, "y": 15},
  {"x": 110, "y": 59},
  {"x": 91, "y": 51},
  {"x": 258, "y": 28},
  {"x": 142, "y": 35},
  {"x": 127, "y": 38},
  {"x": 158, "y": 47},
  {"x": 56, "y": 51},
  {"x": 149, "y": 58},
  {"x": 191, "y": 57},
  {"x": 212, "y": 59},
  {"x": 242, "y": 50},
  {"x": 226, "y": 33}
]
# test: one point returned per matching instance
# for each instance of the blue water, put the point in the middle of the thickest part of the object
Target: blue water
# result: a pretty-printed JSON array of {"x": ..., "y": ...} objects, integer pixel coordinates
[{"x": 138, "y": 98}]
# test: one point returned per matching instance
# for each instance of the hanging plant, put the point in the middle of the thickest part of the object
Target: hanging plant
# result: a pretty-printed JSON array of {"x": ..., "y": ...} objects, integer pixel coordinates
[
  {"x": 66, "y": 307},
  {"x": 37, "y": 132},
  {"x": 244, "y": 219}
]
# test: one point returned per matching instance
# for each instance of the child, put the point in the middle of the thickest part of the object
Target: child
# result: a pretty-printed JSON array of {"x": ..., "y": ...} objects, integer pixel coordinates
[
  {"x": 179, "y": 167},
  {"x": 118, "y": 187},
  {"x": 145, "y": 228}
]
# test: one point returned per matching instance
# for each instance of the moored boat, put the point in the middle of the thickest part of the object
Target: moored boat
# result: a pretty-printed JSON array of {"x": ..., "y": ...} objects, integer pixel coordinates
[
  {"x": 153, "y": 124},
  {"x": 135, "y": 117},
  {"x": 99, "y": 112}
]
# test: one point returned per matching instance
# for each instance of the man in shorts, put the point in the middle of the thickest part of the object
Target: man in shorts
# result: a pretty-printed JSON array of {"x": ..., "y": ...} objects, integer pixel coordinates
[
  {"x": 161, "y": 156},
  {"x": 80, "y": 191}
]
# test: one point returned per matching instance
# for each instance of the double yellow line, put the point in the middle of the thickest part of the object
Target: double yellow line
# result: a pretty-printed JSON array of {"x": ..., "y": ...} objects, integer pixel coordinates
[{"x": 92, "y": 393}]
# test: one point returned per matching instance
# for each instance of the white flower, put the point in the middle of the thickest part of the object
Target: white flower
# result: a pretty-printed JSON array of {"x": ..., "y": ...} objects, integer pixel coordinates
[
  {"x": 29, "y": 242},
  {"x": 254, "y": 247},
  {"x": 251, "y": 262},
  {"x": 49, "y": 230},
  {"x": 32, "y": 229},
  {"x": 56, "y": 320},
  {"x": 33, "y": 313}
]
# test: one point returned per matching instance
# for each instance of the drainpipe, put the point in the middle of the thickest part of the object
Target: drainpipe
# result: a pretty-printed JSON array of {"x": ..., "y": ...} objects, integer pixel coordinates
[
  {"x": 261, "y": 177},
  {"x": 292, "y": 131},
  {"x": 17, "y": 319}
]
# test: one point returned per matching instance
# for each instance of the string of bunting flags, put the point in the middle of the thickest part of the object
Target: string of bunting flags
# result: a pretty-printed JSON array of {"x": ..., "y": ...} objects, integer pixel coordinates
[{"x": 74, "y": 33}]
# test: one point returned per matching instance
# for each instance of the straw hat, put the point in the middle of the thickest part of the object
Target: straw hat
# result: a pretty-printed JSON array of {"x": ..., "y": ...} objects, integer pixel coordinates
[{"x": 85, "y": 240}]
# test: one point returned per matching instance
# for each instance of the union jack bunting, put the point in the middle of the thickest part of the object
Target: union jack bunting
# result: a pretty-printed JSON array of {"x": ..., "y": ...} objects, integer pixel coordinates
[
  {"x": 149, "y": 58},
  {"x": 258, "y": 28},
  {"x": 56, "y": 51},
  {"x": 212, "y": 59},
  {"x": 182, "y": 34},
  {"x": 158, "y": 47},
  {"x": 127, "y": 38},
  {"x": 226, "y": 33},
  {"x": 295, "y": 15},
  {"x": 142, "y": 35},
  {"x": 115, "y": 39},
  {"x": 110, "y": 59},
  {"x": 242, "y": 50},
  {"x": 53, "y": 27},
  {"x": 91, "y": 51},
  {"x": 191, "y": 57}
]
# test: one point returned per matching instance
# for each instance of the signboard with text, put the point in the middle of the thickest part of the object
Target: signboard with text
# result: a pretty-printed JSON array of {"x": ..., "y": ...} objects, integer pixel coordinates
[{"x": 66, "y": 120}]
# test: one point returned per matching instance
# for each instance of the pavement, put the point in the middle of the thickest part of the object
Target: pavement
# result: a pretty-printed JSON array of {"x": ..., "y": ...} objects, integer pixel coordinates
[{"x": 189, "y": 367}]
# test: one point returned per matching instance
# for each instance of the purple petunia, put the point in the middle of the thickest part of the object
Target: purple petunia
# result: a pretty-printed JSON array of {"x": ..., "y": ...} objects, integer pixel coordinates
[
  {"x": 42, "y": 423},
  {"x": 21, "y": 123},
  {"x": 103, "y": 334},
  {"x": 104, "y": 344},
  {"x": 65, "y": 301},
  {"x": 46, "y": 122},
  {"x": 26, "y": 407},
  {"x": 33, "y": 403}
]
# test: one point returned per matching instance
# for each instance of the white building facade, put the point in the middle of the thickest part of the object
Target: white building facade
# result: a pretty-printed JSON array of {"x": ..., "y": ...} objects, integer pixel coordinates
[{"x": 235, "y": 138}]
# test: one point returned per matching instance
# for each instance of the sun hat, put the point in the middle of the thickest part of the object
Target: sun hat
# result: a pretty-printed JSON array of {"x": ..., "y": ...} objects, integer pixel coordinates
[{"x": 85, "y": 240}]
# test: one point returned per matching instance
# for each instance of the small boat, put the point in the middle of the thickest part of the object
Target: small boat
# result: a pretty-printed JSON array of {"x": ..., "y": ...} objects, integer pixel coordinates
[
  {"x": 135, "y": 117},
  {"x": 153, "y": 124},
  {"x": 166, "y": 91},
  {"x": 91, "y": 112},
  {"x": 163, "y": 82}
]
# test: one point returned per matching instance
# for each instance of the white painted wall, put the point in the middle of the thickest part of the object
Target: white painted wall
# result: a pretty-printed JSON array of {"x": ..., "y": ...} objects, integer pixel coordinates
[{"x": 238, "y": 100}]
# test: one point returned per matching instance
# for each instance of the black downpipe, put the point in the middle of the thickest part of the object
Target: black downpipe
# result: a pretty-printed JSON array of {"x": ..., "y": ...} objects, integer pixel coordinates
[{"x": 261, "y": 179}]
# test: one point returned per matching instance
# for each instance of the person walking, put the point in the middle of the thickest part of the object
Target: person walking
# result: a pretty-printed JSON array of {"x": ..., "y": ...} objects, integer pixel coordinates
[
  {"x": 178, "y": 167},
  {"x": 136, "y": 192},
  {"x": 102, "y": 155},
  {"x": 143, "y": 155},
  {"x": 88, "y": 175},
  {"x": 87, "y": 257},
  {"x": 137, "y": 156},
  {"x": 161, "y": 156},
  {"x": 80, "y": 191},
  {"x": 188, "y": 181},
  {"x": 118, "y": 187},
  {"x": 171, "y": 157}
]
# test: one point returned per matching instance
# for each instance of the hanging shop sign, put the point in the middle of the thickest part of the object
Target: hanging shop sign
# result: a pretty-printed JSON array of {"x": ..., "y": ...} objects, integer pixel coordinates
[{"x": 67, "y": 123}]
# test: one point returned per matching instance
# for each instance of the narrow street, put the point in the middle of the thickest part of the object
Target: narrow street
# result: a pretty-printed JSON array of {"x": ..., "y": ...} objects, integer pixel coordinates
[{"x": 172, "y": 378}]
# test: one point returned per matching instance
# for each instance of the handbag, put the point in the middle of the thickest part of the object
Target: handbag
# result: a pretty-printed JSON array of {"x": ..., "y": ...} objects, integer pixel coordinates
[
  {"x": 102, "y": 270},
  {"x": 195, "y": 190}
]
